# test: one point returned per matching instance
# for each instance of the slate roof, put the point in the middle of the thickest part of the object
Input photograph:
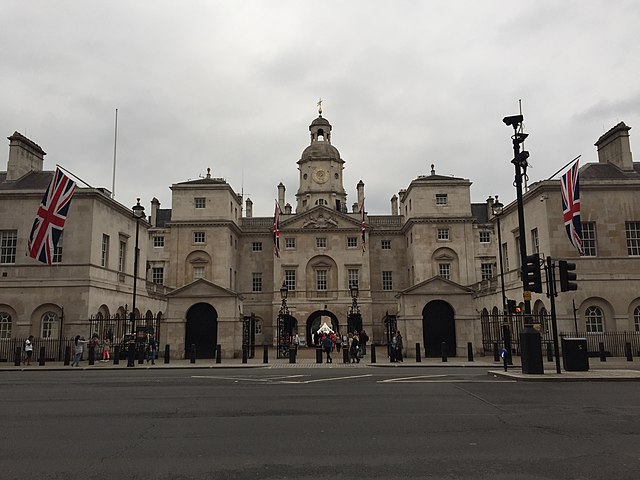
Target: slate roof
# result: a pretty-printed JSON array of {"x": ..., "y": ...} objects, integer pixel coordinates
[
  {"x": 30, "y": 181},
  {"x": 607, "y": 171}
]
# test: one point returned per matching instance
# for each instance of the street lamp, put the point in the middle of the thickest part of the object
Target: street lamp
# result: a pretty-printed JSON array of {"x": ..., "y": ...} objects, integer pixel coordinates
[
  {"x": 354, "y": 310},
  {"x": 497, "y": 208},
  {"x": 282, "y": 318},
  {"x": 138, "y": 213}
]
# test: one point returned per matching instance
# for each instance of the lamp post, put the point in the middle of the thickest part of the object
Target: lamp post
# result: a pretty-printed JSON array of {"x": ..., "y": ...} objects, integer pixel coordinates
[
  {"x": 138, "y": 213},
  {"x": 354, "y": 310},
  {"x": 282, "y": 316},
  {"x": 497, "y": 208}
]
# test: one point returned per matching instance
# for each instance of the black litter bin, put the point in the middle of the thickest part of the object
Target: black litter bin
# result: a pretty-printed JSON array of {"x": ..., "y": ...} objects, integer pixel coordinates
[{"x": 574, "y": 355}]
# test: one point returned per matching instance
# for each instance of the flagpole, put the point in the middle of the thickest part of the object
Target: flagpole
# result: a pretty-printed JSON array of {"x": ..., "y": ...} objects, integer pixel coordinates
[
  {"x": 565, "y": 166},
  {"x": 115, "y": 144},
  {"x": 73, "y": 175}
]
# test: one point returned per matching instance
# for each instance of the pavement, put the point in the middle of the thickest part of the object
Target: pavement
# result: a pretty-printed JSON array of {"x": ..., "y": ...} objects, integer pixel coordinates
[{"x": 615, "y": 369}]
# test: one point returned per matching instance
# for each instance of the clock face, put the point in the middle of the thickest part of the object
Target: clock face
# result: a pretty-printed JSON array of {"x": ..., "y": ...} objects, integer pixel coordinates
[{"x": 320, "y": 175}]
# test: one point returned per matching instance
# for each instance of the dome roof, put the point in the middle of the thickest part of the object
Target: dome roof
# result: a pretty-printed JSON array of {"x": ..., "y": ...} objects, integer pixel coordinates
[
  {"x": 320, "y": 121},
  {"x": 320, "y": 150}
]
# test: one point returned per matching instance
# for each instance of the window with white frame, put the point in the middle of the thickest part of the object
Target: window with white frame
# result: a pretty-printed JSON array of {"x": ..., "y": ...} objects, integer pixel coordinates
[
  {"x": 535, "y": 241},
  {"x": 444, "y": 270},
  {"x": 157, "y": 275},
  {"x": 49, "y": 325},
  {"x": 289, "y": 243},
  {"x": 636, "y": 319},
  {"x": 385, "y": 244},
  {"x": 290, "y": 279},
  {"x": 353, "y": 277},
  {"x": 158, "y": 241},
  {"x": 57, "y": 252},
  {"x": 200, "y": 202},
  {"x": 589, "y": 239},
  {"x": 485, "y": 236},
  {"x": 632, "y": 230},
  {"x": 387, "y": 280},
  {"x": 5, "y": 325},
  {"x": 443, "y": 234},
  {"x": 352, "y": 242},
  {"x": 8, "y": 246},
  {"x": 442, "y": 199},
  {"x": 321, "y": 280},
  {"x": 505, "y": 256},
  {"x": 198, "y": 237},
  {"x": 595, "y": 319},
  {"x": 104, "y": 254},
  {"x": 256, "y": 282},
  {"x": 198, "y": 272},
  {"x": 122, "y": 253},
  {"x": 486, "y": 271},
  {"x": 321, "y": 242},
  {"x": 256, "y": 246}
]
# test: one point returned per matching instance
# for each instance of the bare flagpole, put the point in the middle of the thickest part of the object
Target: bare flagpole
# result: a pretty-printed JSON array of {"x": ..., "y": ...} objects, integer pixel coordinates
[
  {"x": 73, "y": 175},
  {"x": 565, "y": 166},
  {"x": 115, "y": 144}
]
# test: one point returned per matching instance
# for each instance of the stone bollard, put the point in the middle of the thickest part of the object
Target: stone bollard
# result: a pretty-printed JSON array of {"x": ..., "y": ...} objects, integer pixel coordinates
[
  {"x": 67, "y": 355},
  {"x": 418, "y": 356},
  {"x": 603, "y": 355},
  {"x": 218, "y": 353},
  {"x": 167, "y": 354},
  {"x": 373, "y": 353},
  {"x": 41, "y": 358},
  {"x": 469, "y": 352},
  {"x": 192, "y": 353},
  {"x": 265, "y": 354},
  {"x": 443, "y": 347}
]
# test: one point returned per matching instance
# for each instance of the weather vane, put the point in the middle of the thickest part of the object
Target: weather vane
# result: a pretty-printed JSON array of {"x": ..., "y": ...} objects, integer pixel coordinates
[{"x": 320, "y": 106}]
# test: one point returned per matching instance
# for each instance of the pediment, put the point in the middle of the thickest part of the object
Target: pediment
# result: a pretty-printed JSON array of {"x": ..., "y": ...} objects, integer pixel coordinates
[
  {"x": 436, "y": 286},
  {"x": 202, "y": 288},
  {"x": 319, "y": 218}
]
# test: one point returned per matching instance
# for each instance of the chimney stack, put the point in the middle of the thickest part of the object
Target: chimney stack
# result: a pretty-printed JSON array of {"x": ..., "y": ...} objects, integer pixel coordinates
[
  {"x": 613, "y": 147},
  {"x": 24, "y": 156}
]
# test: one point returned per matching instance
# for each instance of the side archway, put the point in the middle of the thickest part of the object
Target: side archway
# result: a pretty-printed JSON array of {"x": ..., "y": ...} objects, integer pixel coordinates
[
  {"x": 438, "y": 325},
  {"x": 315, "y": 321},
  {"x": 201, "y": 330}
]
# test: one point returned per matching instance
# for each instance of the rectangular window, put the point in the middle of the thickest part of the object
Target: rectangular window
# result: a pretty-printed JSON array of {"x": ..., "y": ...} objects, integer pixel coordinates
[
  {"x": 589, "y": 239},
  {"x": 57, "y": 252},
  {"x": 157, "y": 275},
  {"x": 289, "y": 242},
  {"x": 352, "y": 242},
  {"x": 485, "y": 236},
  {"x": 256, "y": 246},
  {"x": 353, "y": 277},
  {"x": 441, "y": 199},
  {"x": 8, "y": 246},
  {"x": 505, "y": 256},
  {"x": 633, "y": 237},
  {"x": 198, "y": 237},
  {"x": 158, "y": 241},
  {"x": 443, "y": 234},
  {"x": 198, "y": 272},
  {"x": 200, "y": 202},
  {"x": 321, "y": 280},
  {"x": 290, "y": 279},
  {"x": 387, "y": 280},
  {"x": 385, "y": 244},
  {"x": 122, "y": 253},
  {"x": 321, "y": 242},
  {"x": 535, "y": 241},
  {"x": 444, "y": 270},
  {"x": 104, "y": 256},
  {"x": 486, "y": 270},
  {"x": 256, "y": 282}
]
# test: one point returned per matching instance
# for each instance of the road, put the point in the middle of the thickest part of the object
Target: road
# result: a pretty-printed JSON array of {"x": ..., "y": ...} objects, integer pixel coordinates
[{"x": 299, "y": 423}]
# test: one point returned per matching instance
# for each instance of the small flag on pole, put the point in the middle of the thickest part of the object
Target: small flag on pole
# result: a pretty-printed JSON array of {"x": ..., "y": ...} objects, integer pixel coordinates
[
  {"x": 570, "y": 188},
  {"x": 276, "y": 231},
  {"x": 363, "y": 229},
  {"x": 50, "y": 218}
]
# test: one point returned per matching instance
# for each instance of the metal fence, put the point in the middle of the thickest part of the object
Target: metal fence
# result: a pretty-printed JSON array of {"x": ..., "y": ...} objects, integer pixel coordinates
[
  {"x": 492, "y": 331},
  {"x": 53, "y": 348},
  {"x": 613, "y": 342}
]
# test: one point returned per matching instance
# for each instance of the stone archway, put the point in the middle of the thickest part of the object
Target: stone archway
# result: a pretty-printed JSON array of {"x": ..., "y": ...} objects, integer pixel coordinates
[
  {"x": 316, "y": 319},
  {"x": 438, "y": 325},
  {"x": 201, "y": 330}
]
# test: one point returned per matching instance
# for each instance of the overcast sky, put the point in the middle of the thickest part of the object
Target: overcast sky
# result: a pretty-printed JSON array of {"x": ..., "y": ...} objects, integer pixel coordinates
[{"x": 233, "y": 85}]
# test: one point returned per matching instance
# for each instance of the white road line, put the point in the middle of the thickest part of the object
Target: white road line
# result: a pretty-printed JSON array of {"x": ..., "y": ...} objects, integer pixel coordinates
[
  {"x": 329, "y": 379},
  {"x": 451, "y": 381},
  {"x": 231, "y": 378},
  {"x": 407, "y": 379}
]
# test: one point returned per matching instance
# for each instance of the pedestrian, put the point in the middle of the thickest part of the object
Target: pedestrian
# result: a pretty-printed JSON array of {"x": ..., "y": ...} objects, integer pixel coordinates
[
  {"x": 399, "y": 347},
  {"x": 355, "y": 348},
  {"x": 393, "y": 350},
  {"x": 78, "y": 350},
  {"x": 106, "y": 349},
  {"x": 327, "y": 346},
  {"x": 28, "y": 349},
  {"x": 338, "y": 342},
  {"x": 364, "y": 338},
  {"x": 152, "y": 348}
]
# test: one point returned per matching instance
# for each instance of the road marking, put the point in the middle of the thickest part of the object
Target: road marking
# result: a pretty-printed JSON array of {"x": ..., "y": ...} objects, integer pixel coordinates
[
  {"x": 327, "y": 379},
  {"x": 408, "y": 379}
]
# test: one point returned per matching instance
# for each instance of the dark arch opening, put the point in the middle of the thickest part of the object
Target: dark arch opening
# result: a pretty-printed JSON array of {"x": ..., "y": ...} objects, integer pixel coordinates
[
  {"x": 314, "y": 323},
  {"x": 438, "y": 325},
  {"x": 201, "y": 330}
]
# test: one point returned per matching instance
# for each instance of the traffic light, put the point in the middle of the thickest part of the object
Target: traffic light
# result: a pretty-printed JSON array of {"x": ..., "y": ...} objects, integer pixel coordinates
[
  {"x": 567, "y": 276},
  {"x": 531, "y": 273},
  {"x": 511, "y": 306}
]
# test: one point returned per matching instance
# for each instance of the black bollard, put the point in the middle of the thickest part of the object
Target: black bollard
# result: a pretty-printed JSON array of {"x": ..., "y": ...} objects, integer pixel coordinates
[
  {"x": 265, "y": 354},
  {"x": 116, "y": 355},
  {"x": 549, "y": 353},
  {"x": 167, "y": 354},
  {"x": 505, "y": 360},
  {"x": 245, "y": 353},
  {"x": 469, "y": 352},
  {"x": 345, "y": 355},
  {"x": 292, "y": 354},
  {"x": 496, "y": 354},
  {"x": 218, "y": 353},
  {"x": 16, "y": 359},
  {"x": 67, "y": 355},
  {"x": 443, "y": 346},
  {"x": 373, "y": 353},
  {"x": 603, "y": 355},
  {"x": 131, "y": 354},
  {"x": 92, "y": 355},
  {"x": 627, "y": 351},
  {"x": 418, "y": 357},
  {"x": 318, "y": 354},
  {"x": 41, "y": 359},
  {"x": 141, "y": 354},
  {"x": 192, "y": 353}
]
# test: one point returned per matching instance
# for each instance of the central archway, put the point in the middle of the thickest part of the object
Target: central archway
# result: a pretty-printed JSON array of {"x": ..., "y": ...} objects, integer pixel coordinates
[
  {"x": 201, "y": 330},
  {"x": 316, "y": 319},
  {"x": 438, "y": 325}
]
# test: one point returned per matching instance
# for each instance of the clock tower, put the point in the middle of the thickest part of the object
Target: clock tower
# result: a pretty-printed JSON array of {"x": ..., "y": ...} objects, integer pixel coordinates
[{"x": 320, "y": 166}]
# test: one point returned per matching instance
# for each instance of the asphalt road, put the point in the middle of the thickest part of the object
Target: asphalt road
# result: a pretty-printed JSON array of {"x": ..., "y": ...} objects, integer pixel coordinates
[{"x": 298, "y": 423}]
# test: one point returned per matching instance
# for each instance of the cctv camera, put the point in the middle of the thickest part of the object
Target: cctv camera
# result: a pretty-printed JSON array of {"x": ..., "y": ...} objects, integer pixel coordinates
[{"x": 513, "y": 120}]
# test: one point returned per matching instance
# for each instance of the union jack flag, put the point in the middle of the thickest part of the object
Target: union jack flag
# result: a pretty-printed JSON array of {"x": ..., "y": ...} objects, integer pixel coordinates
[
  {"x": 570, "y": 188},
  {"x": 363, "y": 229},
  {"x": 49, "y": 222},
  {"x": 276, "y": 232}
]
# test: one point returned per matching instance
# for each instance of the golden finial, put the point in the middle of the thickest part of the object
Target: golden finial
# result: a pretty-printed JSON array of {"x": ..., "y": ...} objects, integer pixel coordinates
[{"x": 320, "y": 106}]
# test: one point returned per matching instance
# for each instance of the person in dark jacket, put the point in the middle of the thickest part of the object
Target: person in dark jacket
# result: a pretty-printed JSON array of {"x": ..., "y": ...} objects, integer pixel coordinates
[{"x": 327, "y": 346}]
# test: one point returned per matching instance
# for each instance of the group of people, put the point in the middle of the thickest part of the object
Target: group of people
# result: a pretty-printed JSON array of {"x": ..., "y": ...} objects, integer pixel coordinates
[
  {"x": 104, "y": 348},
  {"x": 356, "y": 342}
]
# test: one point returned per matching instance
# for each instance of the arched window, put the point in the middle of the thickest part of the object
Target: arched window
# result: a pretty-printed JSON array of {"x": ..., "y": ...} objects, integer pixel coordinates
[
  {"x": 50, "y": 325},
  {"x": 636, "y": 319},
  {"x": 595, "y": 319},
  {"x": 5, "y": 325}
]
